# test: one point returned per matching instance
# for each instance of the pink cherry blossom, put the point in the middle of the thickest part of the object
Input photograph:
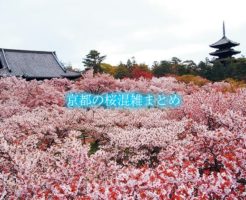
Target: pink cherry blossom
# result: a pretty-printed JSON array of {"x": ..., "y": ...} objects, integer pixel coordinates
[{"x": 47, "y": 151}]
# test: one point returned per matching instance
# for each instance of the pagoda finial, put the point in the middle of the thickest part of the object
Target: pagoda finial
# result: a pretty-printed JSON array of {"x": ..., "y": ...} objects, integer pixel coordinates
[{"x": 223, "y": 29}]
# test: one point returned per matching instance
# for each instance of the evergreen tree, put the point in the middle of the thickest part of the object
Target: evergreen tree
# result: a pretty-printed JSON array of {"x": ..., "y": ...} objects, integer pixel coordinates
[
  {"x": 162, "y": 68},
  {"x": 122, "y": 71},
  {"x": 93, "y": 60}
]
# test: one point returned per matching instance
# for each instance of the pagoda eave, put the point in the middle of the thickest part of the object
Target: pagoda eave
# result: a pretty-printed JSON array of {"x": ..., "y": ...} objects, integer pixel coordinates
[
  {"x": 228, "y": 45},
  {"x": 224, "y": 42},
  {"x": 224, "y": 47},
  {"x": 224, "y": 55},
  {"x": 219, "y": 52}
]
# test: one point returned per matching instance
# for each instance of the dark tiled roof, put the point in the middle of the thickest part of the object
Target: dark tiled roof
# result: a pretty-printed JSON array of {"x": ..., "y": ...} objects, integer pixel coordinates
[
  {"x": 225, "y": 51},
  {"x": 224, "y": 41},
  {"x": 32, "y": 64}
]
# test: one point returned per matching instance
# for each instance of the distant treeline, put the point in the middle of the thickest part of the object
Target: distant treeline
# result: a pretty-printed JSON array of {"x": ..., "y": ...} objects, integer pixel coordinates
[
  {"x": 216, "y": 71},
  {"x": 233, "y": 68}
]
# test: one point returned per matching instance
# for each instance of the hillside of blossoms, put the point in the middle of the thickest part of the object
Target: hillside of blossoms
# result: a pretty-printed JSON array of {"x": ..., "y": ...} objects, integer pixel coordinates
[{"x": 48, "y": 151}]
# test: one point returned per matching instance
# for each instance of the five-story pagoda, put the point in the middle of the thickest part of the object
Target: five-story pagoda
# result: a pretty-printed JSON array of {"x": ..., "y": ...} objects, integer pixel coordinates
[{"x": 224, "y": 47}]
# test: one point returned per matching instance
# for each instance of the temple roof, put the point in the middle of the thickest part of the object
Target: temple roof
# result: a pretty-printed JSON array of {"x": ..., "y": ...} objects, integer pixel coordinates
[
  {"x": 224, "y": 41},
  {"x": 225, "y": 52},
  {"x": 33, "y": 64}
]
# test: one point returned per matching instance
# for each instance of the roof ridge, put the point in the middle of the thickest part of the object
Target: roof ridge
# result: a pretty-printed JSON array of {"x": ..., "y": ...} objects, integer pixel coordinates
[
  {"x": 34, "y": 64},
  {"x": 5, "y": 59},
  {"x": 54, "y": 55},
  {"x": 23, "y": 50}
]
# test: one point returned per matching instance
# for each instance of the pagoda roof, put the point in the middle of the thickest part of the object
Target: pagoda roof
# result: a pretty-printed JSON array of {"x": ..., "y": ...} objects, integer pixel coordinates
[
  {"x": 224, "y": 41},
  {"x": 225, "y": 52}
]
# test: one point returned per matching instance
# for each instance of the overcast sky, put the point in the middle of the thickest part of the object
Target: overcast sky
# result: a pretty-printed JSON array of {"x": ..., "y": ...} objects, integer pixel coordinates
[{"x": 149, "y": 30}]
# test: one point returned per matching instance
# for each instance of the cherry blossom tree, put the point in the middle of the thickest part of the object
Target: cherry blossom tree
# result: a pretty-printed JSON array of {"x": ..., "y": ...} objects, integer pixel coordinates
[{"x": 48, "y": 151}]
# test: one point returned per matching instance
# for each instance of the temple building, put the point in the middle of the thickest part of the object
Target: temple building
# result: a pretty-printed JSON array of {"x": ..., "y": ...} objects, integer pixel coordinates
[
  {"x": 30, "y": 64},
  {"x": 224, "y": 47}
]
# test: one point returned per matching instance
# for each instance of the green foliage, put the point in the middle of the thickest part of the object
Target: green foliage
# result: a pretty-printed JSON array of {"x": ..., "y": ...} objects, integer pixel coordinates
[
  {"x": 221, "y": 70},
  {"x": 132, "y": 70},
  {"x": 175, "y": 61},
  {"x": 94, "y": 147},
  {"x": 218, "y": 70},
  {"x": 83, "y": 136},
  {"x": 239, "y": 71},
  {"x": 94, "y": 60},
  {"x": 204, "y": 69},
  {"x": 175, "y": 66},
  {"x": 122, "y": 72},
  {"x": 161, "y": 69},
  {"x": 131, "y": 62},
  {"x": 107, "y": 68}
]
